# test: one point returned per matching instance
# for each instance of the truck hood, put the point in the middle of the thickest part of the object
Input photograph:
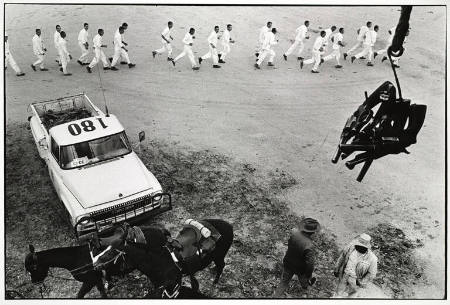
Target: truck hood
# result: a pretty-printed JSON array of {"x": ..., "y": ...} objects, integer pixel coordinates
[{"x": 103, "y": 183}]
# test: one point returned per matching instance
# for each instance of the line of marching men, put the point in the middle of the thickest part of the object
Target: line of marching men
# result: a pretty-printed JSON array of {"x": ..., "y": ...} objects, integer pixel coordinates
[
  {"x": 366, "y": 38},
  {"x": 64, "y": 56},
  {"x": 120, "y": 49}
]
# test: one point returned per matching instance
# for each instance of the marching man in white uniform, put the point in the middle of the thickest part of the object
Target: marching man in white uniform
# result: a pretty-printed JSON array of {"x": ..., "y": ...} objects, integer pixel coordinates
[
  {"x": 262, "y": 34},
  {"x": 360, "y": 38},
  {"x": 389, "y": 42},
  {"x": 64, "y": 56},
  {"x": 123, "y": 60},
  {"x": 327, "y": 37},
  {"x": 120, "y": 50},
  {"x": 39, "y": 50},
  {"x": 395, "y": 60},
  {"x": 9, "y": 59},
  {"x": 300, "y": 35},
  {"x": 188, "y": 41},
  {"x": 317, "y": 53},
  {"x": 369, "y": 42},
  {"x": 226, "y": 40},
  {"x": 99, "y": 55},
  {"x": 165, "y": 36},
  {"x": 84, "y": 45},
  {"x": 337, "y": 40},
  {"x": 56, "y": 37},
  {"x": 213, "y": 39},
  {"x": 269, "y": 41}
]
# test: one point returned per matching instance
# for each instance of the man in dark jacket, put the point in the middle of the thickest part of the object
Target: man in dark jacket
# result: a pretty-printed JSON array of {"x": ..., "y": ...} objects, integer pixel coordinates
[{"x": 299, "y": 258}]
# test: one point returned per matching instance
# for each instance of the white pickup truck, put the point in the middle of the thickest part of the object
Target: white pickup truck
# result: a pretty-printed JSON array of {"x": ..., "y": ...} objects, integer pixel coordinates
[{"x": 98, "y": 178}]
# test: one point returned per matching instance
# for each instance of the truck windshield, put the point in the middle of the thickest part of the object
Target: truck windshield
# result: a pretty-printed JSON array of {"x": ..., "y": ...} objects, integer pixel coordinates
[{"x": 94, "y": 151}]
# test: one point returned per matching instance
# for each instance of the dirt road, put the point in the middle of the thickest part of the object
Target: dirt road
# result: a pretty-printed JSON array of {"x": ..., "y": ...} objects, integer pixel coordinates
[{"x": 273, "y": 118}]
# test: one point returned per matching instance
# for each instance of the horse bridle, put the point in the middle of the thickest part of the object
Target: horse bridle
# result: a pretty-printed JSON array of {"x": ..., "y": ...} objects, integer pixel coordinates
[{"x": 174, "y": 257}]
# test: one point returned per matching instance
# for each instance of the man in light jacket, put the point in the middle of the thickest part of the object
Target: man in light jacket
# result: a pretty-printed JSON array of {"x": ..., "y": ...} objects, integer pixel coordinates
[
  {"x": 356, "y": 266},
  {"x": 9, "y": 59},
  {"x": 188, "y": 42},
  {"x": 39, "y": 50},
  {"x": 56, "y": 37},
  {"x": 269, "y": 41},
  {"x": 369, "y": 42},
  {"x": 213, "y": 38},
  {"x": 64, "y": 55},
  {"x": 83, "y": 43}
]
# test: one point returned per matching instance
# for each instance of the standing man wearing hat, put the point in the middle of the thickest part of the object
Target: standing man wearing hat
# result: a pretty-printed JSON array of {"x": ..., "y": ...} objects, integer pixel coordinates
[
  {"x": 356, "y": 266},
  {"x": 299, "y": 257},
  {"x": 9, "y": 59}
]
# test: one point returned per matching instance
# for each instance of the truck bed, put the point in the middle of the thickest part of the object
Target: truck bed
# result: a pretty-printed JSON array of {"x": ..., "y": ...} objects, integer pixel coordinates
[{"x": 64, "y": 110}]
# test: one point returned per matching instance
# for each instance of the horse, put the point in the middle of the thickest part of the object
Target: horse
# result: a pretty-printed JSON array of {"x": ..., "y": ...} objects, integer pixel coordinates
[
  {"x": 188, "y": 249},
  {"x": 78, "y": 261}
]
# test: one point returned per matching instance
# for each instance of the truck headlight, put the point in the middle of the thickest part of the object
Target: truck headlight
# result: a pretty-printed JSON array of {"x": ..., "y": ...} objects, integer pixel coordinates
[
  {"x": 157, "y": 197},
  {"x": 85, "y": 222}
]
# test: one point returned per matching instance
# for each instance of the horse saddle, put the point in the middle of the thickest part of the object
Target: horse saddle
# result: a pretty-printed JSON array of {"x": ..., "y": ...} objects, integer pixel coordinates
[
  {"x": 106, "y": 250},
  {"x": 195, "y": 240}
]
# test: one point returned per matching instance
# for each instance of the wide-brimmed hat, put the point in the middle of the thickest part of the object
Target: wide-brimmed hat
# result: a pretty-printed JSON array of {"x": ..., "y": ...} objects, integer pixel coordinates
[
  {"x": 363, "y": 240},
  {"x": 309, "y": 225}
]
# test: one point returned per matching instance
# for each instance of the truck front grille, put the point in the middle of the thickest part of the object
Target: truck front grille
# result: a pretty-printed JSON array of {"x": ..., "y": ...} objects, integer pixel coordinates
[{"x": 107, "y": 217}]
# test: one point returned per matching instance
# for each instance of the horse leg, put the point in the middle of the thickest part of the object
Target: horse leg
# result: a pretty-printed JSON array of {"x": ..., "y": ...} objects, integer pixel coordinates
[
  {"x": 101, "y": 289},
  {"x": 85, "y": 288},
  {"x": 194, "y": 283},
  {"x": 220, "y": 264}
]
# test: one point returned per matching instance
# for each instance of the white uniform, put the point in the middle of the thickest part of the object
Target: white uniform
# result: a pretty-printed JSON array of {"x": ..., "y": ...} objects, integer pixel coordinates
[
  {"x": 82, "y": 39},
  {"x": 118, "y": 50},
  {"x": 187, "y": 50},
  {"x": 369, "y": 42},
  {"x": 63, "y": 54},
  {"x": 262, "y": 35},
  {"x": 213, "y": 39},
  {"x": 56, "y": 37},
  {"x": 266, "y": 49},
  {"x": 389, "y": 42},
  {"x": 38, "y": 49},
  {"x": 166, "y": 45},
  {"x": 99, "y": 55},
  {"x": 361, "y": 36},
  {"x": 328, "y": 33},
  {"x": 226, "y": 38},
  {"x": 9, "y": 59},
  {"x": 300, "y": 34},
  {"x": 316, "y": 53},
  {"x": 122, "y": 39},
  {"x": 338, "y": 37}
]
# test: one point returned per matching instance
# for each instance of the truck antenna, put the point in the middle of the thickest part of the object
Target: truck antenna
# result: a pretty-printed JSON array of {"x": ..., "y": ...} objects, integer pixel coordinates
[{"x": 103, "y": 91}]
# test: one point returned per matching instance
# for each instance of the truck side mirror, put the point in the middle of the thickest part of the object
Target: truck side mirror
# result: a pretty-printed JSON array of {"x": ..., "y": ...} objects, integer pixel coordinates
[
  {"x": 43, "y": 143},
  {"x": 141, "y": 136}
]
